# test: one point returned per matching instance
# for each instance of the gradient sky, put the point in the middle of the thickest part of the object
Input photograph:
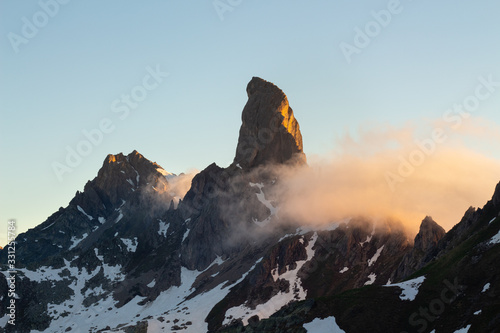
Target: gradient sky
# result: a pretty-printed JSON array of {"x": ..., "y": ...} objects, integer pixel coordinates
[{"x": 64, "y": 79}]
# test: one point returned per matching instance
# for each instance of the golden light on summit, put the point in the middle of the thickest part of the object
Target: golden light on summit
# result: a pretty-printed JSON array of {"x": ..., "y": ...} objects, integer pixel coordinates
[{"x": 290, "y": 123}]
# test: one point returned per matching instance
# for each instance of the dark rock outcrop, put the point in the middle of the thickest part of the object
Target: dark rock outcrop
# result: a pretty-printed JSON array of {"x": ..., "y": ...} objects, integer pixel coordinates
[
  {"x": 473, "y": 220},
  {"x": 350, "y": 256},
  {"x": 426, "y": 241},
  {"x": 207, "y": 231},
  {"x": 429, "y": 235},
  {"x": 495, "y": 200}
]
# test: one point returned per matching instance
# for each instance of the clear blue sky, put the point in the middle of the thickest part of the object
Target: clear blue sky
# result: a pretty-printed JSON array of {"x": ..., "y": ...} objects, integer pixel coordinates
[{"x": 65, "y": 77}]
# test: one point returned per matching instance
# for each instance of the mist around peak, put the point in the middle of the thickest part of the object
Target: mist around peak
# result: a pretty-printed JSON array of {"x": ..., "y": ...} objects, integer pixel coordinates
[{"x": 386, "y": 173}]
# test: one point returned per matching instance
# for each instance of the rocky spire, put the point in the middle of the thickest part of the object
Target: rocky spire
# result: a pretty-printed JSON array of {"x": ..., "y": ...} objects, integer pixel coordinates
[
  {"x": 120, "y": 174},
  {"x": 429, "y": 234},
  {"x": 426, "y": 242},
  {"x": 269, "y": 132}
]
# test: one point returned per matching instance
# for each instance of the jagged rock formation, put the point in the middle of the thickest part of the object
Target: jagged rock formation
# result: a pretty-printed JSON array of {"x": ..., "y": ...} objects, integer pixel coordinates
[
  {"x": 457, "y": 291},
  {"x": 121, "y": 179},
  {"x": 429, "y": 235},
  {"x": 269, "y": 132},
  {"x": 110, "y": 231},
  {"x": 426, "y": 241},
  {"x": 207, "y": 231},
  {"x": 314, "y": 264}
]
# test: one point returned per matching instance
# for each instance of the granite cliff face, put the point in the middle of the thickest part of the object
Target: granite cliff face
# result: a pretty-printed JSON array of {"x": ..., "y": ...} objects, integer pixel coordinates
[
  {"x": 269, "y": 132},
  {"x": 132, "y": 254}
]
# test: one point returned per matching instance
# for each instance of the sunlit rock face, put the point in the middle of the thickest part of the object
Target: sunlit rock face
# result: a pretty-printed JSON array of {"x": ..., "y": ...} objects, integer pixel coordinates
[{"x": 269, "y": 132}]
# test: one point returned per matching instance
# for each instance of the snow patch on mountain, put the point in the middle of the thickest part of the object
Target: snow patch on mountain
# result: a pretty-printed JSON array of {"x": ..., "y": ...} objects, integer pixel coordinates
[
  {"x": 186, "y": 234},
  {"x": 409, "y": 288},
  {"x": 463, "y": 330},
  {"x": 495, "y": 239},
  {"x": 295, "y": 293},
  {"x": 343, "y": 270},
  {"x": 49, "y": 226},
  {"x": 120, "y": 216},
  {"x": 77, "y": 241},
  {"x": 4, "y": 320},
  {"x": 96, "y": 251},
  {"x": 137, "y": 176},
  {"x": 121, "y": 205},
  {"x": 262, "y": 198},
  {"x": 43, "y": 273},
  {"x": 57, "y": 311},
  {"x": 94, "y": 291},
  {"x": 217, "y": 261},
  {"x": 112, "y": 273},
  {"x": 375, "y": 256},
  {"x": 172, "y": 306},
  {"x": 163, "y": 228},
  {"x": 77, "y": 279},
  {"x": 165, "y": 173},
  {"x": 285, "y": 237},
  {"x": 327, "y": 325},
  {"x": 368, "y": 238},
  {"x": 371, "y": 279},
  {"x": 130, "y": 244},
  {"x": 176, "y": 310},
  {"x": 83, "y": 212}
]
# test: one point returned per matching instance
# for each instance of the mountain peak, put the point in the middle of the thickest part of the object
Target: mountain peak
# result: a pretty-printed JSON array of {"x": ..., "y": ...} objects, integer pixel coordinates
[
  {"x": 429, "y": 234},
  {"x": 269, "y": 132},
  {"x": 260, "y": 85},
  {"x": 496, "y": 196},
  {"x": 121, "y": 175},
  {"x": 135, "y": 160}
]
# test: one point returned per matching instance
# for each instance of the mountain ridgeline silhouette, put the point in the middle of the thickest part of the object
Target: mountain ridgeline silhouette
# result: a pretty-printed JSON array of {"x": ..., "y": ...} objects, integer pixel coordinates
[{"x": 245, "y": 249}]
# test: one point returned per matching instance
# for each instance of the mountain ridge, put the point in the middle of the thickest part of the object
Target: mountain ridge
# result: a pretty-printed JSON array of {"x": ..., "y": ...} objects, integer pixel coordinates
[{"x": 219, "y": 258}]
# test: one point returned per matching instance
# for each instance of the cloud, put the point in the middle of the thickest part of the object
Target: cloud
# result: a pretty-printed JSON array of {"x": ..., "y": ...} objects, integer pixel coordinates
[
  {"x": 179, "y": 185},
  {"x": 389, "y": 172},
  {"x": 159, "y": 192}
]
